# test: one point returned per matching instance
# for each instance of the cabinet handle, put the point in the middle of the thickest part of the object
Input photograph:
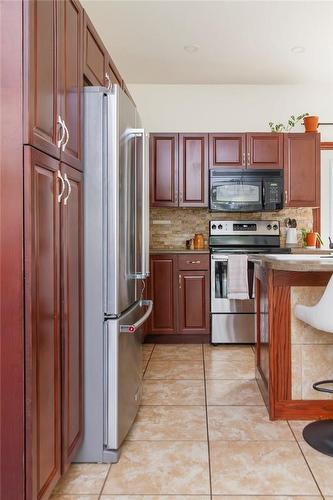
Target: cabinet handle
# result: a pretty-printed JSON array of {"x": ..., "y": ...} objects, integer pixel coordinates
[
  {"x": 243, "y": 160},
  {"x": 67, "y": 137},
  {"x": 62, "y": 186},
  {"x": 63, "y": 131},
  {"x": 179, "y": 280},
  {"x": 193, "y": 262},
  {"x": 69, "y": 189},
  {"x": 286, "y": 197},
  {"x": 248, "y": 158},
  {"x": 108, "y": 79}
]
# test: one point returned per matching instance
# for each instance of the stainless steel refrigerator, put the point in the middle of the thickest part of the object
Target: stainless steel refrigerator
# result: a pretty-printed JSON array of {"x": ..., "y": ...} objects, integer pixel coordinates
[{"x": 116, "y": 260}]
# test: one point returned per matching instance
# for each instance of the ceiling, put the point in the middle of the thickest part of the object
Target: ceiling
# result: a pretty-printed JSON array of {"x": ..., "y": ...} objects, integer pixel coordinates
[{"x": 240, "y": 42}]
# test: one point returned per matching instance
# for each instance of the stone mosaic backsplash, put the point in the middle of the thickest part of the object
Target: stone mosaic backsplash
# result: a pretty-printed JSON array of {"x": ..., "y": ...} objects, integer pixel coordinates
[{"x": 171, "y": 227}]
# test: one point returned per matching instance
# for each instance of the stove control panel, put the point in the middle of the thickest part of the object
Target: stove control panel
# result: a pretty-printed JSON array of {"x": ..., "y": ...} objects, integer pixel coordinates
[{"x": 258, "y": 227}]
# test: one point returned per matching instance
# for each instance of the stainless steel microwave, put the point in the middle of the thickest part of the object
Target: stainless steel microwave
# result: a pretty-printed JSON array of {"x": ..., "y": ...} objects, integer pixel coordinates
[{"x": 245, "y": 191}]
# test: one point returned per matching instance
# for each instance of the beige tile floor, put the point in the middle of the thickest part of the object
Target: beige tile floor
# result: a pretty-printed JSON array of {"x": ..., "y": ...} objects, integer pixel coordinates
[{"x": 203, "y": 433}]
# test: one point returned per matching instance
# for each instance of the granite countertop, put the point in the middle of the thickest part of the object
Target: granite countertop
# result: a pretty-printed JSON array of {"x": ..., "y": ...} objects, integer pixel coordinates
[
  {"x": 291, "y": 264},
  {"x": 177, "y": 250}
]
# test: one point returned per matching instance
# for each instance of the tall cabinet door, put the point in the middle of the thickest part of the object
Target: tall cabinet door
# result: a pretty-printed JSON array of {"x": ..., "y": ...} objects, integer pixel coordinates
[
  {"x": 72, "y": 326},
  {"x": 71, "y": 78},
  {"x": 41, "y": 93},
  {"x": 42, "y": 312},
  {"x": 264, "y": 150},
  {"x": 162, "y": 289},
  {"x": 302, "y": 170},
  {"x": 227, "y": 150},
  {"x": 94, "y": 54},
  {"x": 193, "y": 301},
  {"x": 193, "y": 170},
  {"x": 164, "y": 170}
]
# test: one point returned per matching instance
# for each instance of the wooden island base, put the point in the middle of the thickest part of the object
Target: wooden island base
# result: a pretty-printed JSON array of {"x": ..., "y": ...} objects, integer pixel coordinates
[{"x": 290, "y": 355}]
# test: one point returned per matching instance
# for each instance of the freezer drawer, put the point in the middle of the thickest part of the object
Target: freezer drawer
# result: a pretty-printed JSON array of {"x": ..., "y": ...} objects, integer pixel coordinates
[
  {"x": 233, "y": 328},
  {"x": 123, "y": 373}
]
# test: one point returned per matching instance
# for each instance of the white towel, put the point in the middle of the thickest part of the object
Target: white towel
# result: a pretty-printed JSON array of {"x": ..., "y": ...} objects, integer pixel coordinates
[{"x": 237, "y": 280}]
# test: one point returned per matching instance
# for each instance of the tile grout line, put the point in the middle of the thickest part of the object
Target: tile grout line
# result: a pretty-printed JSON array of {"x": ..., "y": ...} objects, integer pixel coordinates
[
  {"x": 207, "y": 430},
  {"x": 104, "y": 482},
  {"x": 307, "y": 463}
]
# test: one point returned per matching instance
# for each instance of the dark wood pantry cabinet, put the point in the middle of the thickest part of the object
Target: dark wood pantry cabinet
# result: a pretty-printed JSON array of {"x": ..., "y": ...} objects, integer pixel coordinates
[{"x": 53, "y": 259}]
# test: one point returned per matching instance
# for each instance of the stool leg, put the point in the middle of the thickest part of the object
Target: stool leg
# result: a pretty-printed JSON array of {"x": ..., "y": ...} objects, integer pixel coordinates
[{"x": 319, "y": 435}]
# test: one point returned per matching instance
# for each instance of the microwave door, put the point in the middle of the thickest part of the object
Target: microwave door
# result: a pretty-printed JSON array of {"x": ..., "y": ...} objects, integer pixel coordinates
[{"x": 236, "y": 195}]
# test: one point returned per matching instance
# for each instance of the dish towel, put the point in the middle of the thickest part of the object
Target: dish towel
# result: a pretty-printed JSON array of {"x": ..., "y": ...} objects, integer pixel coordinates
[{"x": 237, "y": 280}]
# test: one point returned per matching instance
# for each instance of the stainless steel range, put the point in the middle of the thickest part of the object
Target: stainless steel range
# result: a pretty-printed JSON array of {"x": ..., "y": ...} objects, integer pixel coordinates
[{"x": 233, "y": 320}]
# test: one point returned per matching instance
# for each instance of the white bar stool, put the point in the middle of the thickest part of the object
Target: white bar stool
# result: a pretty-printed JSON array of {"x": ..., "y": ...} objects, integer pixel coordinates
[{"x": 319, "y": 434}]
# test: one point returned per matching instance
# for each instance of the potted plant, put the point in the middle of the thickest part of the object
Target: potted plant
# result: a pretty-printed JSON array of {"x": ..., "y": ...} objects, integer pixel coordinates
[
  {"x": 311, "y": 123},
  {"x": 311, "y": 238},
  {"x": 293, "y": 120}
]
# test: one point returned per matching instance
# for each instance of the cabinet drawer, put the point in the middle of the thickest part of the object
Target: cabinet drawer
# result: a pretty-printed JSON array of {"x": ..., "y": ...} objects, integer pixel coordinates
[{"x": 193, "y": 261}]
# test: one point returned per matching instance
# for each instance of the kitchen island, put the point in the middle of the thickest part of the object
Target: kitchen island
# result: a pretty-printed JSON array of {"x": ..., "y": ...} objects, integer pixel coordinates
[{"x": 291, "y": 355}]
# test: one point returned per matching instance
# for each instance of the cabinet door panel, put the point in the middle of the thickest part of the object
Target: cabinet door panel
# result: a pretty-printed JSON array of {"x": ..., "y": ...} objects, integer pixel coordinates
[
  {"x": 264, "y": 150},
  {"x": 193, "y": 170},
  {"x": 163, "y": 290},
  {"x": 72, "y": 327},
  {"x": 41, "y": 92},
  {"x": 164, "y": 170},
  {"x": 193, "y": 302},
  {"x": 42, "y": 292},
  {"x": 302, "y": 170},
  {"x": 94, "y": 54},
  {"x": 70, "y": 68},
  {"x": 227, "y": 150},
  {"x": 112, "y": 72}
]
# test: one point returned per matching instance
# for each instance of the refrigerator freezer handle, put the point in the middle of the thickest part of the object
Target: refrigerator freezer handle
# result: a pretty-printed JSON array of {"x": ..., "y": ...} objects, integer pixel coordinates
[{"x": 133, "y": 328}]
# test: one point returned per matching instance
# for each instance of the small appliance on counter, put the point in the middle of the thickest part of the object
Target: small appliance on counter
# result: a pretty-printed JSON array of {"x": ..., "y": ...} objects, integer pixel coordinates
[{"x": 233, "y": 320}]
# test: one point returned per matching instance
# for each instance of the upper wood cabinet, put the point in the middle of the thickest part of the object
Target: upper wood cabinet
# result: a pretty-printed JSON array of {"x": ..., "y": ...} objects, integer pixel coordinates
[
  {"x": 71, "y": 79},
  {"x": 111, "y": 72},
  {"x": 302, "y": 170},
  {"x": 227, "y": 150},
  {"x": 264, "y": 150},
  {"x": 193, "y": 170},
  {"x": 53, "y": 78},
  {"x": 251, "y": 150},
  {"x": 94, "y": 54},
  {"x": 41, "y": 76},
  {"x": 164, "y": 170}
]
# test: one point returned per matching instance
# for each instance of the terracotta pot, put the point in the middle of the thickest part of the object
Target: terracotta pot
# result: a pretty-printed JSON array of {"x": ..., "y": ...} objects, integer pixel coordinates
[
  {"x": 311, "y": 123},
  {"x": 311, "y": 239}
]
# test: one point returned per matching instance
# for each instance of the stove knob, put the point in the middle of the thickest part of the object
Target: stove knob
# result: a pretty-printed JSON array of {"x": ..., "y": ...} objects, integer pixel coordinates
[
  {"x": 275, "y": 227},
  {"x": 220, "y": 226},
  {"x": 214, "y": 226},
  {"x": 269, "y": 227}
]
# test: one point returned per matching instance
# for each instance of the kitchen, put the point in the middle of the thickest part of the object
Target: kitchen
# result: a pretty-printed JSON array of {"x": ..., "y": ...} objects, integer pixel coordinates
[{"x": 227, "y": 384}]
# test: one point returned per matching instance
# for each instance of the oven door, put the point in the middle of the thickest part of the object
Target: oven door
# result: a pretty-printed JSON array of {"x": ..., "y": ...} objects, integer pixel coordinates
[
  {"x": 219, "y": 288},
  {"x": 235, "y": 194}
]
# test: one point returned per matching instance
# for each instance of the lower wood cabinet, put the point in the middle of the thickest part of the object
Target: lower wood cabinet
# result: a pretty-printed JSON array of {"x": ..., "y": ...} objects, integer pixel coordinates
[
  {"x": 53, "y": 295},
  {"x": 179, "y": 288}
]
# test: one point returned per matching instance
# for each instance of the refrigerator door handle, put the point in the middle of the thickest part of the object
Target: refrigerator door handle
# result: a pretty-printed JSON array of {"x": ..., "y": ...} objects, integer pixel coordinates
[
  {"x": 133, "y": 328},
  {"x": 141, "y": 133}
]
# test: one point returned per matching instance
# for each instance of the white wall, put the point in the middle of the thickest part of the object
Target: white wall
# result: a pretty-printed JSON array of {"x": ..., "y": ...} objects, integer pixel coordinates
[
  {"x": 228, "y": 108},
  {"x": 236, "y": 108}
]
